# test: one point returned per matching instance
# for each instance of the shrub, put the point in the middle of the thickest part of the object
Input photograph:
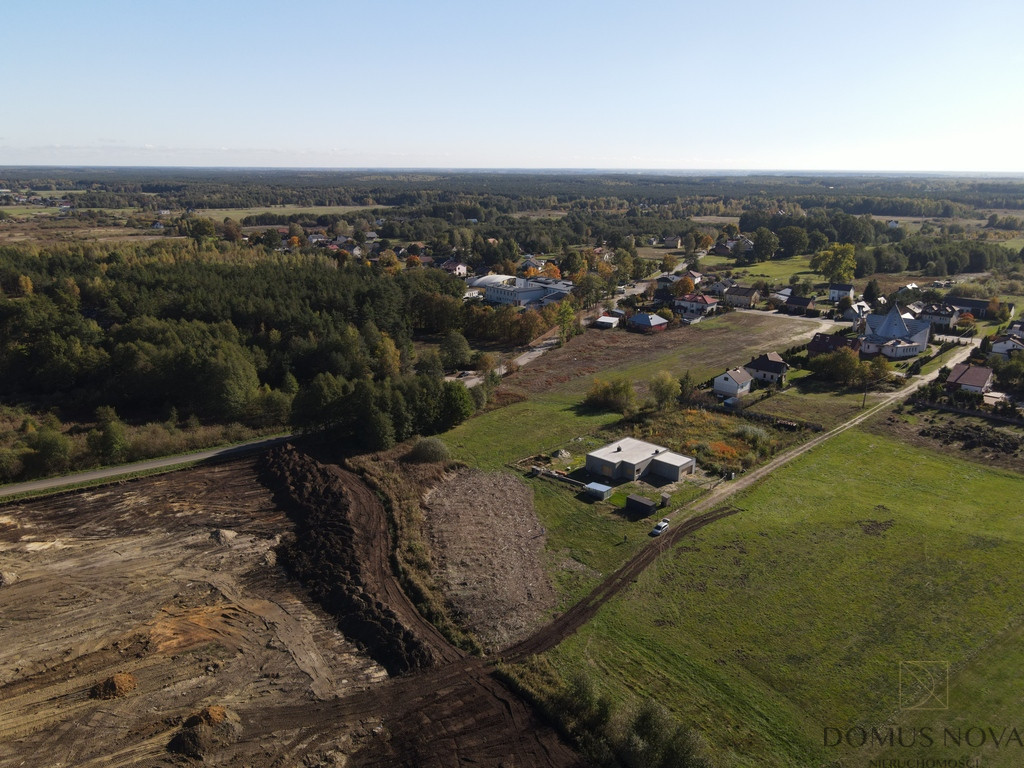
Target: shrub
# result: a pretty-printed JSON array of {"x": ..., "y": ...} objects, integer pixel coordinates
[
  {"x": 429, "y": 449},
  {"x": 612, "y": 396},
  {"x": 754, "y": 436}
]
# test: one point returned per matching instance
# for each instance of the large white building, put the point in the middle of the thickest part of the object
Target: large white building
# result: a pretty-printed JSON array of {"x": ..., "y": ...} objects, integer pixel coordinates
[
  {"x": 631, "y": 459},
  {"x": 521, "y": 291}
]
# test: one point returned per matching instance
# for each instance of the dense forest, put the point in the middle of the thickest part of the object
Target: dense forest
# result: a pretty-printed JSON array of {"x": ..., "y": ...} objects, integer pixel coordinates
[
  {"x": 702, "y": 193},
  {"x": 222, "y": 334}
]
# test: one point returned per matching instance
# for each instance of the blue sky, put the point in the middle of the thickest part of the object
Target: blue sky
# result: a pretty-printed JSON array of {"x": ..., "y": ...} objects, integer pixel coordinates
[{"x": 787, "y": 85}]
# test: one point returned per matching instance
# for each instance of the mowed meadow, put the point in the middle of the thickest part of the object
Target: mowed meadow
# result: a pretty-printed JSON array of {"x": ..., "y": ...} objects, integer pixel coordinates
[{"x": 792, "y": 616}]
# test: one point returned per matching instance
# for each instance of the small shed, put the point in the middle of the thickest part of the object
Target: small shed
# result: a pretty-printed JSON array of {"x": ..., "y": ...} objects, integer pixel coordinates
[
  {"x": 599, "y": 491},
  {"x": 640, "y": 504},
  {"x": 605, "y": 322}
]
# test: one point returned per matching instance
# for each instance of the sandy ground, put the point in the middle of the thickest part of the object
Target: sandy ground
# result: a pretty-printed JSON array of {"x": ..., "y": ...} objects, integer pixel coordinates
[{"x": 172, "y": 580}]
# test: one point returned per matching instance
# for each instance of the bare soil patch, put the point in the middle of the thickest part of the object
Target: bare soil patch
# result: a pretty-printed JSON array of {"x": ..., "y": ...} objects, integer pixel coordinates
[
  {"x": 969, "y": 437},
  {"x": 488, "y": 546},
  {"x": 126, "y": 584}
]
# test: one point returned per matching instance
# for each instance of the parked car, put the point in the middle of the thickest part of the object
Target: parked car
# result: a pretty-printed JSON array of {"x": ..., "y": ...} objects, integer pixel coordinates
[{"x": 661, "y": 527}]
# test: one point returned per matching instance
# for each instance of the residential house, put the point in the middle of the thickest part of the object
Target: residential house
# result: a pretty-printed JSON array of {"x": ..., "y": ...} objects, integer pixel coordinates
[
  {"x": 837, "y": 291},
  {"x": 892, "y": 224},
  {"x": 631, "y": 459},
  {"x": 673, "y": 241},
  {"x": 908, "y": 288},
  {"x": 798, "y": 305},
  {"x": 977, "y": 307},
  {"x": 894, "y": 336},
  {"x": 733, "y": 383},
  {"x": 939, "y": 315},
  {"x": 694, "y": 276},
  {"x": 645, "y": 322},
  {"x": 696, "y": 304},
  {"x": 970, "y": 378},
  {"x": 826, "y": 343},
  {"x": 605, "y": 322},
  {"x": 742, "y": 297},
  {"x": 455, "y": 267},
  {"x": 1016, "y": 328},
  {"x": 720, "y": 286},
  {"x": 769, "y": 367},
  {"x": 530, "y": 262},
  {"x": 723, "y": 248},
  {"x": 665, "y": 282},
  {"x": 857, "y": 312},
  {"x": 782, "y": 295},
  {"x": 1006, "y": 344}
]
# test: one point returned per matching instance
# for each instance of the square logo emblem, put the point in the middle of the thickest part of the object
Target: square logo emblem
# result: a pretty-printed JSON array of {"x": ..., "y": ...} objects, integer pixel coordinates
[{"x": 924, "y": 685}]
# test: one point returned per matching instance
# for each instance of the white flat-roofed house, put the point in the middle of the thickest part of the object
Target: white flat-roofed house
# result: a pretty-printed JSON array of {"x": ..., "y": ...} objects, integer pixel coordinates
[{"x": 631, "y": 459}]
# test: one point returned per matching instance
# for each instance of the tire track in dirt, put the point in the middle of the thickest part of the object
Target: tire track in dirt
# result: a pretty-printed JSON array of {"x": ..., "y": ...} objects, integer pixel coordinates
[{"x": 583, "y": 611}]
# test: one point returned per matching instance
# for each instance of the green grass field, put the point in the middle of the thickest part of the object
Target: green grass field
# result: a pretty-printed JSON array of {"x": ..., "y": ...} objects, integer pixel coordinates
[
  {"x": 778, "y": 271},
  {"x": 826, "y": 408},
  {"x": 793, "y": 616}
]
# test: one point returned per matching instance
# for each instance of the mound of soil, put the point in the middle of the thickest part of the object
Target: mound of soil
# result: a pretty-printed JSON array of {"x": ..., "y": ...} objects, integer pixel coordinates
[
  {"x": 205, "y": 731},
  {"x": 325, "y": 558},
  {"x": 114, "y": 687},
  {"x": 972, "y": 436},
  {"x": 223, "y": 536}
]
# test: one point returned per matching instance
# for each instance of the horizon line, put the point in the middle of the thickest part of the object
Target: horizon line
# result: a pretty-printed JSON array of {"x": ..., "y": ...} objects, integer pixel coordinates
[{"x": 524, "y": 170}]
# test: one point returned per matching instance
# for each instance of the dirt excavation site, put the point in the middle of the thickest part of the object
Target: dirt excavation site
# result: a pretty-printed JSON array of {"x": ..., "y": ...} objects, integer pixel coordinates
[{"x": 249, "y": 614}]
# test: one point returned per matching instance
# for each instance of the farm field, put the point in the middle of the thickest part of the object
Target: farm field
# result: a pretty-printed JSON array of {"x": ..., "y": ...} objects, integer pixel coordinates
[{"x": 793, "y": 616}]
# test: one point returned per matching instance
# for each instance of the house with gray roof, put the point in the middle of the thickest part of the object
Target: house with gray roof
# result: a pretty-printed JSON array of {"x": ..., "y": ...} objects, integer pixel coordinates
[
  {"x": 631, "y": 459},
  {"x": 894, "y": 336}
]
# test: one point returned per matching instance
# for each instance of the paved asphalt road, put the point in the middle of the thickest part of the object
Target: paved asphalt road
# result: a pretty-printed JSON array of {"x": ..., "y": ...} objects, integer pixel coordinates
[{"x": 110, "y": 473}]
